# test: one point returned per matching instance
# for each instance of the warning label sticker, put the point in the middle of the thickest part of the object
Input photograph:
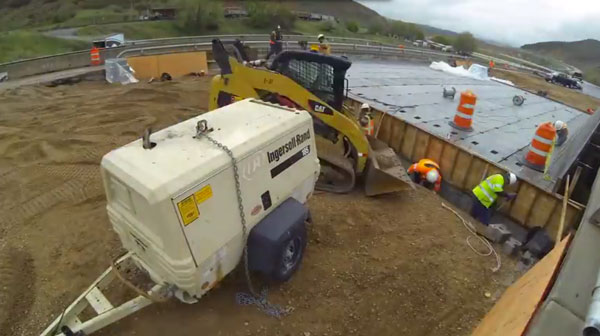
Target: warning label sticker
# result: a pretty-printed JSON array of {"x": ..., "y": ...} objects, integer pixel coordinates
[
  {"x": 203, "y": 194},
  {"x": 188, "y": 210}
]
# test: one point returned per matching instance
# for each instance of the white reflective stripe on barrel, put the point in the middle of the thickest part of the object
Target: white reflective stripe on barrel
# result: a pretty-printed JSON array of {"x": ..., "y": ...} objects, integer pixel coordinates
[
  {"x": 468, "y": 106},
  {"x": 542, "y": 140},
  {"x": 464, "y": 115},
  {"x": 538, "y": 152}
]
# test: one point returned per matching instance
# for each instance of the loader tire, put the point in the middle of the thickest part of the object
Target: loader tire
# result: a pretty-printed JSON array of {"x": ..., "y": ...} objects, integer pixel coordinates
[{"x": 10, "y": 278}]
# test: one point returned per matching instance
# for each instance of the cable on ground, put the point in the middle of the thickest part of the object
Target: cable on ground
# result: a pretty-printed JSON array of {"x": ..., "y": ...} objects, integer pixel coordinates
[{"x": 484, "y": 241}]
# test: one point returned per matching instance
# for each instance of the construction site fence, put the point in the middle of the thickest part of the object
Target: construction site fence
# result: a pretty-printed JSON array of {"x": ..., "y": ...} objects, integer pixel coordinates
[
  {"x": 81, "y": 59},
  {"x": 533, "y": 206}
]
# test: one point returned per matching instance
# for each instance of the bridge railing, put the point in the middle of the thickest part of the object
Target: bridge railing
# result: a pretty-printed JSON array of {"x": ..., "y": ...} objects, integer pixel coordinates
[{"x": 80, "y": 59}]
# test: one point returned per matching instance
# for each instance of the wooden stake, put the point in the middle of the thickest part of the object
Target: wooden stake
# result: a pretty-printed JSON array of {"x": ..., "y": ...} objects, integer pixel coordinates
[
  {"x": 563, "y": 213},
  {"x": 575, "y": 180},
  {"x": 379, "y": 124}
]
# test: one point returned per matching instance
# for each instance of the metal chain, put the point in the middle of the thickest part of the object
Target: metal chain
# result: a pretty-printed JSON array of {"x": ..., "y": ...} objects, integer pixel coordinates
[{"x": 254, "y": 297}]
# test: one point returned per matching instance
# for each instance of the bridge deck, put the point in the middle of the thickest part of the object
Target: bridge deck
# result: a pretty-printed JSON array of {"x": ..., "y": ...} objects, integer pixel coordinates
[{"x": 502, "y": 131}]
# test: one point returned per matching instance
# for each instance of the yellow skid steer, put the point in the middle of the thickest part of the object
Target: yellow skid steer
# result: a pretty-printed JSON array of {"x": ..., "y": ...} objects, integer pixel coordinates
[{"x": 315, "y": 83}]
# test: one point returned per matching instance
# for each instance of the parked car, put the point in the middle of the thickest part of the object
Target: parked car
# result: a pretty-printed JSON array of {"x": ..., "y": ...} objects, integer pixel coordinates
[{"x": 564, "y": 80}]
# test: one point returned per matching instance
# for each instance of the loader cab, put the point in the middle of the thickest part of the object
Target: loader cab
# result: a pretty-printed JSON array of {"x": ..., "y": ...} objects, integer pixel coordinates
[{"x": 322, "y": 75}]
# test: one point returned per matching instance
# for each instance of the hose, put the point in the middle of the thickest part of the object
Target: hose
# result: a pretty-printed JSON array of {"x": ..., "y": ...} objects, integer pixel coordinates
[{"x": 484, "y": 241}]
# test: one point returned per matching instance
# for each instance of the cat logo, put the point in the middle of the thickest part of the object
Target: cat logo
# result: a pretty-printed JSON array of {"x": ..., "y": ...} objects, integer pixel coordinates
[{"x": 319, "y": 108}]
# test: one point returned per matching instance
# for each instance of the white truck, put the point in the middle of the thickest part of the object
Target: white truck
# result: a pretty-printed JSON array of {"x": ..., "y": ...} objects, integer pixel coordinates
[{"x": 186, "y": 200}]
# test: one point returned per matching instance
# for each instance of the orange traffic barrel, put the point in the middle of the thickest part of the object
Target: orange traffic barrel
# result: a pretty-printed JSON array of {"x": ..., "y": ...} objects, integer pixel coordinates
[
  {"x": 540, "y": 147},
  {"x": 95, "y": 56},
  {"x": 463, "y": 119}
]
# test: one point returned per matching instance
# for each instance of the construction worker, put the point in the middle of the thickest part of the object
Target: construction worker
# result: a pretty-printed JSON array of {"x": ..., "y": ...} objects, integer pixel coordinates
[
  {"x": 427, "y": 173},
  {"x": 323, "y": 46},
  {"x": 486, "y": 194},
  {"x": 561, "y": 132},
  {"x": 366, "y": 120},
  {"x": 275, "y": 42}
]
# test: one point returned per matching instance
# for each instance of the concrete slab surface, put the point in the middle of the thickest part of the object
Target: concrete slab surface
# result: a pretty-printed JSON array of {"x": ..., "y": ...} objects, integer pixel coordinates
[{"x": 502, "y": 131}]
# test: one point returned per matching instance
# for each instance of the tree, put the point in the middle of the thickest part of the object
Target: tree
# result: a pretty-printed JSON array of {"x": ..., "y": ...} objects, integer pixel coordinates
[
  {"x": 414, "y": 32},
  {"x": 465, "y": 42},
  {"x": 442, "y": 39},
  {"x": 352, "y": 26},
  {"x": 267, "y": 15},
  {"x": 376, "y": 27},
  {"x": 327, "y": 26},
  {"x": 398, "y": 28},
  {"x": 200, "y": 16},
  {"x": 420, "y": 35}
]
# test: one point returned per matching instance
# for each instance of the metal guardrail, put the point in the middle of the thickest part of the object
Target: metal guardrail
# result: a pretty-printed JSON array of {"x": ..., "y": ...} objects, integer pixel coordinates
[
  {"x": 79, "y": 59},
  {"x": 252, "y": 37},
  {"x": 343, "y": 48}
]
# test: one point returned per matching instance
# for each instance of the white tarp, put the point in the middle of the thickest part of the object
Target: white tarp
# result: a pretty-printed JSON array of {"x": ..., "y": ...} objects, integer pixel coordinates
[
  {"x": 476, "y": 71},
  {"x": 119, "y": 71}
]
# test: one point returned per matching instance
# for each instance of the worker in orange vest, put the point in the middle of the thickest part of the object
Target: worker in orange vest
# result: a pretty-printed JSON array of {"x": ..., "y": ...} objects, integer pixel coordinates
[
  {"x": 427, "y": 173},
  {"x": 492, "y": 64},
  {"x": 275, "y": 42}
]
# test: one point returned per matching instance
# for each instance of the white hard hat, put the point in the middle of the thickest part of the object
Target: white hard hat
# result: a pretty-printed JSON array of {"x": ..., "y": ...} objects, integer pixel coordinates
[
  {"x": 432, "y": 176},
  {"x": 320, "y": 36},
  {"x": 278, "y": 27},
  {"x": 559, "y": 125},
  {"x": 512, "y": 178},
  {"x": 365, "y": 106}
]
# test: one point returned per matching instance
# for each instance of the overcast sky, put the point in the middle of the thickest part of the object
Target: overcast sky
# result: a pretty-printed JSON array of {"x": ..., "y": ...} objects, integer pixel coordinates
[{"x": 514, "y": 22}]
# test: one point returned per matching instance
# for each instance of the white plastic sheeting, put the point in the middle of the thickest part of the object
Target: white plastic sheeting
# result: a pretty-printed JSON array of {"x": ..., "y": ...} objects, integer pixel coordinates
[
  {"x": 476, "y": 71},
  {"x": 119, "y": 71}
]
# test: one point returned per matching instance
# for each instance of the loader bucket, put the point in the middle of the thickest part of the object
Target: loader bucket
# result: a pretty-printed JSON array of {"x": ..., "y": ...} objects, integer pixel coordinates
[{"x": 385, "y": 172}]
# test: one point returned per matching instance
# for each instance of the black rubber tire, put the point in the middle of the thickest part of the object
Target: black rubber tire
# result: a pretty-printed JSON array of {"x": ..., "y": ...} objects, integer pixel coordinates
[
  {"x": 10, "y": 277},
  {"x": 283, "y": 271}
]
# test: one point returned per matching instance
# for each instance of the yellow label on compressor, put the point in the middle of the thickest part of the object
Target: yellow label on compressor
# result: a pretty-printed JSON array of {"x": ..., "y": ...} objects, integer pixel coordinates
[
  {"x": 188, "y": 210},
  {"x": 203, "y": 194}
]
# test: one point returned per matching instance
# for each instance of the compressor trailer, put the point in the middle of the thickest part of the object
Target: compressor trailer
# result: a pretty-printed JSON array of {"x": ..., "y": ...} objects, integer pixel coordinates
[{"x": 193, "y": 200}]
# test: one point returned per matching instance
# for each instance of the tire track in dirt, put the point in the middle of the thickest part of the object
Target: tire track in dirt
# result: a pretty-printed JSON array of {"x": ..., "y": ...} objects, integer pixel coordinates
[{"x": 71, "y": 191}]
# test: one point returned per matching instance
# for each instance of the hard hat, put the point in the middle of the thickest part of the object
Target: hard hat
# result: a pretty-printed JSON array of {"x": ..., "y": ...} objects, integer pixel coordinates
[
  {"x": 365, "y": 106},
  {"x": 512, "y": 178},
  {"x": 432, "y": 176},
  {"x": 278, "y": 27},
  {"x": 559, "y": 125},
  {"x": 320, "y": 36}
]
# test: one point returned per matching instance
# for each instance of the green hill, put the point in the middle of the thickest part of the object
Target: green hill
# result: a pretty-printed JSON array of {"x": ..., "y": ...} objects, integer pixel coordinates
[{"x": 583, "y": 54}]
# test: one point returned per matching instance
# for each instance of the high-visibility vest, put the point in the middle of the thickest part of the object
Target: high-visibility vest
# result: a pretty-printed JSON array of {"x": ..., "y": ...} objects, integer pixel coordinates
[
  {"x": 487, "y": 189},
  {"x": 369, "y": 128},
  {"x": 423, "y": 167}
]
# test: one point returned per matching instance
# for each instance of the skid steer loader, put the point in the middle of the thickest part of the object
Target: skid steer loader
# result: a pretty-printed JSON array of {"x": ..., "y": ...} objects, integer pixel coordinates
[{"x": 315, "y": 83}]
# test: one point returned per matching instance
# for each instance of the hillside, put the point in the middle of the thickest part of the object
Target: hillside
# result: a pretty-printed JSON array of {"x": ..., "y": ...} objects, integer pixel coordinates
[{"x": 584, "y": 54}]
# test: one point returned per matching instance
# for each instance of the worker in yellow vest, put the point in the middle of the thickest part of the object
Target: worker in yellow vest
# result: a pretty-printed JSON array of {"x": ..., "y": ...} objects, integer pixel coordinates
[
  {"x": 324, "y": 47},
  {"x": 366, "y": 120},
  {"x": 486, "y": 194}
]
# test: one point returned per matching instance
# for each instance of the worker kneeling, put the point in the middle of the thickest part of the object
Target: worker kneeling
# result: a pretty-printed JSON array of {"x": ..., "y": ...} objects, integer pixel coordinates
[
  {"x": 426, "y": 173},
  {"x": 486, "y": 194}
]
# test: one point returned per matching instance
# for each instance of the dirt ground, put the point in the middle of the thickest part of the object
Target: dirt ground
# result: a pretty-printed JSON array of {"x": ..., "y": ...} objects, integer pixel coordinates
[
  {"x": 532, "y": 83},
  {"x": 391, "y": 265}
]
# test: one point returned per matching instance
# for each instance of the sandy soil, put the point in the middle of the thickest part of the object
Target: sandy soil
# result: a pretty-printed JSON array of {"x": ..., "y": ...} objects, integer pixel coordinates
[
  {"x": 532, "y": 83},
  {"x": 392, "y": 265}
]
